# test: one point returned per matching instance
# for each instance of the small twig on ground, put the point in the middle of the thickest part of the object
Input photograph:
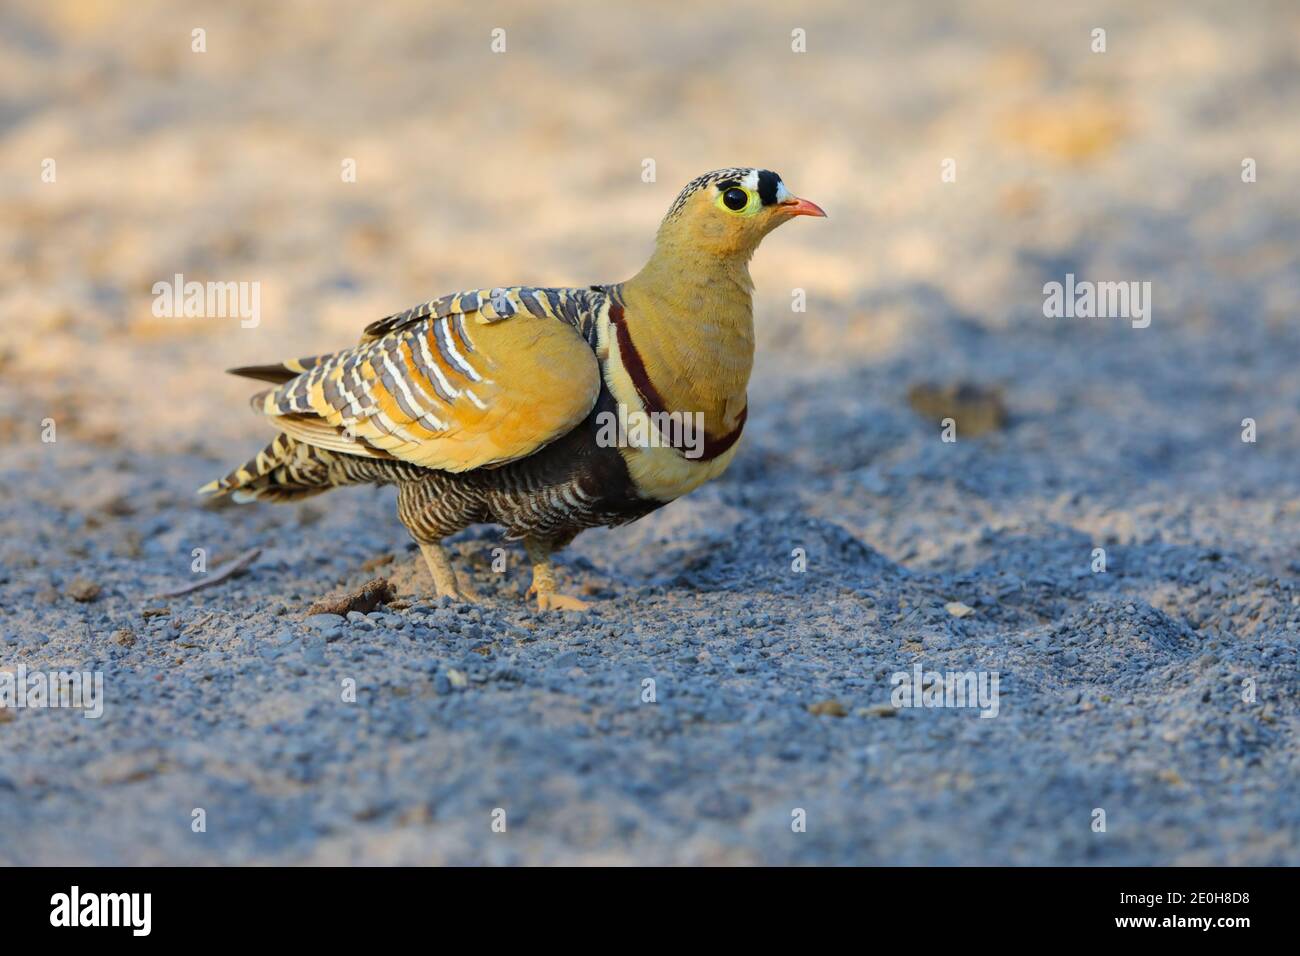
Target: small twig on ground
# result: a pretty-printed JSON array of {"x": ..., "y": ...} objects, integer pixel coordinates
[{"x": 217, "y": 576}]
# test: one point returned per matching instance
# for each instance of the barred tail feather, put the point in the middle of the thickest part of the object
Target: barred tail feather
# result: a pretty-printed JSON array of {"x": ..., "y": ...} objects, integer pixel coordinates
[
  {"x": 279, "y": 372},
  {"x": 290, "y": 470}
]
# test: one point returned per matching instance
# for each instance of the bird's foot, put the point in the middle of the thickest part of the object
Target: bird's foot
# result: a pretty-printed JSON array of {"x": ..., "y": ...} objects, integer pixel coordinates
[
  {"x": 459, "y": 596},
  {"x": 543, "y": 585},
  {"x": 445, "y": 582},
  {"x": 550, "y": 601},
  {"x": 553, "y": 601}
]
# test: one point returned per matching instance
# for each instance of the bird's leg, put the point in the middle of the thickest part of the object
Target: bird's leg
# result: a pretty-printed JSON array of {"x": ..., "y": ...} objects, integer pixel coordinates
[
  {"x": 444, "y": 577},
  {"x": 539, "y": 553}
]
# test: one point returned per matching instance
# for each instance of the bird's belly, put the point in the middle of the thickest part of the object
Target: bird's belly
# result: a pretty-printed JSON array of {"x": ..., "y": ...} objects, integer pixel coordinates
[
  {"x": 574, "y": 483},
  {"x": 582, "y": 480}
]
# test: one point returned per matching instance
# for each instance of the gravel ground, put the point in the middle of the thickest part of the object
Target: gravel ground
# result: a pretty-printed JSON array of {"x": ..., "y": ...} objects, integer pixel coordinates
[{"x": 847, "y": 543}]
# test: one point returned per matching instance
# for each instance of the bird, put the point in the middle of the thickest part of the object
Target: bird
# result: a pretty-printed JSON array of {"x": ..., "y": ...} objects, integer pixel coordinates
[{"x": 546, "y": 411}]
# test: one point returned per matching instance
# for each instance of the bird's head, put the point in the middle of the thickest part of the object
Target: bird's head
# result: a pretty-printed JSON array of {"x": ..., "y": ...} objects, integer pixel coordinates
[{"x": 728, "y": 212}]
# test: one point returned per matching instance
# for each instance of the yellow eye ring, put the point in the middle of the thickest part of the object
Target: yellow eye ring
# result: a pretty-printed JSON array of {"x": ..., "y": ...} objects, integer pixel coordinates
[{"x": 738, "y": 201}]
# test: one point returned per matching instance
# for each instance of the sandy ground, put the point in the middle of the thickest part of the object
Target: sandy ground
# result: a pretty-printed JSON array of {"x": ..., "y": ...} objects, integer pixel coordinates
[{"x": 1162, "y": 691}]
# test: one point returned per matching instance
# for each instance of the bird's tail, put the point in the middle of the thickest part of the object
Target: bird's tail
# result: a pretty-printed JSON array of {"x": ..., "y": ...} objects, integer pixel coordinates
[{"x": 290, "y": 470}]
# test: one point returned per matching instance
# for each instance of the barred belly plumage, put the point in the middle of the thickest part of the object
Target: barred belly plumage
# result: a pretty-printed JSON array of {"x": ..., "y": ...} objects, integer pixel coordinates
[{"x": 560, "y": 490}]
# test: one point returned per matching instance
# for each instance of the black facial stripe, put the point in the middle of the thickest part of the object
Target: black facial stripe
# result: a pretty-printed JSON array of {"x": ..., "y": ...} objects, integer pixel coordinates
[
  {"x": 767, "y": 183},
  {"x": 726, "y": 184}
]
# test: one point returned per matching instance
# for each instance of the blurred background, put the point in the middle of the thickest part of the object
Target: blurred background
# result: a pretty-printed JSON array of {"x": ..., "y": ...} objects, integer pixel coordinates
[{"x": 126, "y": 157}]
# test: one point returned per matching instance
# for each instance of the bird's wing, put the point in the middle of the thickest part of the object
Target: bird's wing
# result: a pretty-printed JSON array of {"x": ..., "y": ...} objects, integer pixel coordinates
[
  {"x": 577, "y": 307},
  {"x": 467, "y": 381}
]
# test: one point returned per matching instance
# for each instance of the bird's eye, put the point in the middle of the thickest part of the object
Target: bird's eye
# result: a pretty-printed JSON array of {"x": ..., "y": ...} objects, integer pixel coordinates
[{"x": 735, "y": 199}]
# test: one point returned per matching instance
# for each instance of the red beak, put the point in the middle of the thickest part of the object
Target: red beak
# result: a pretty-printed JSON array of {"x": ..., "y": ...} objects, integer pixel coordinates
[{"x": 802, "y": 207}]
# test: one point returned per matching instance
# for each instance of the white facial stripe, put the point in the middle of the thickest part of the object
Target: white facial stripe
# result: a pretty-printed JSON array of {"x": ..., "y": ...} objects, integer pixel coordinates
[
  {"x": 750, "y": 181},
  {"x": 782, "y": 194}
]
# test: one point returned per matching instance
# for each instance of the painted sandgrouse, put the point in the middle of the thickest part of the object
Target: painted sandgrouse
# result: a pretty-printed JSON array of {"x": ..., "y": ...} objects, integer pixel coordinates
[{"x": 546, "y": 411}]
